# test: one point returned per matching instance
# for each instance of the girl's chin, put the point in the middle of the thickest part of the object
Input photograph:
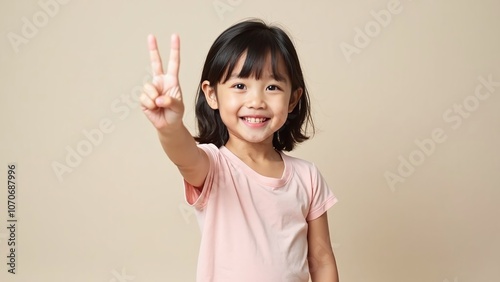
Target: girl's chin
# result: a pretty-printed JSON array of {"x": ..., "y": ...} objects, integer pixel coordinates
[{"x": 251, "y": 139}]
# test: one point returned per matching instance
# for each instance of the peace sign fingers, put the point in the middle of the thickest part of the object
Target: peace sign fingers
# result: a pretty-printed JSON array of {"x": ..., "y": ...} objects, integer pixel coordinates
[{"x": 161, "y": 100}]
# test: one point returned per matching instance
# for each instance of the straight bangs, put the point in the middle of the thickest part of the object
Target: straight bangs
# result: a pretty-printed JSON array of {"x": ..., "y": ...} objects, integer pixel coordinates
[{"x": 256, "y": 46}]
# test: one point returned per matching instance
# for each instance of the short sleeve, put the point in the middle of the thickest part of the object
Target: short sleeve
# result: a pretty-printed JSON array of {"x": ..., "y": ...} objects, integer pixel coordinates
[
  {"x": 322, "y": 197},
  {"x": 197, "y": 197}
]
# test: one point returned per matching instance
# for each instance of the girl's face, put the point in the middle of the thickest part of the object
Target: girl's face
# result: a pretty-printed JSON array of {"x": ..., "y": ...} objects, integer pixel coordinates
[{"x": 253, "y": 109}]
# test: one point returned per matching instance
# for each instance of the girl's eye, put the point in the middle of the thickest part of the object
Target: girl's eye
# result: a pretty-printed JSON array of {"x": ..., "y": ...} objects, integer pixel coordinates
[
  {"x": 239, "y": 86},
  {"x": 273, "y": 88}
]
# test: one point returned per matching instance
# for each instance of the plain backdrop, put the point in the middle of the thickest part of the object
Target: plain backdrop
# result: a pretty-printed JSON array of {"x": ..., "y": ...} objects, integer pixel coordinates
[{"x": 405, "y": 97}]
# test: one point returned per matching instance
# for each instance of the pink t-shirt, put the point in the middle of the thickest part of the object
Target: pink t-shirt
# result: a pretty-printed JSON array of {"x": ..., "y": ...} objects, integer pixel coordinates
[{"x": 254, "y": 228}]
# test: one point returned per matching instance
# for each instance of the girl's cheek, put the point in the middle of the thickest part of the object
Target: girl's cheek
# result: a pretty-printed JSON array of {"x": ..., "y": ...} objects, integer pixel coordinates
[{"x": 229, "y": 102}]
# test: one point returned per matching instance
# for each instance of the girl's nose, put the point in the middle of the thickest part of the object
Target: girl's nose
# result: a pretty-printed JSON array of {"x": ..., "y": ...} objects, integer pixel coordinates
[{"x": 255, "y": 100}]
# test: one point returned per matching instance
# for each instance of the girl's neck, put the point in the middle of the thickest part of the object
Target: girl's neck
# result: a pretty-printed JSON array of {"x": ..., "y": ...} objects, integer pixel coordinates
[
  {"x": 254, "y": 152},
  {"x": 260, "y": 157}
]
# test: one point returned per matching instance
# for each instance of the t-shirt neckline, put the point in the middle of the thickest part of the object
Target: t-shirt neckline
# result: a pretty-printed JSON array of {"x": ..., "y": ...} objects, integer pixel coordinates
[{"x": 265, "y": 180}]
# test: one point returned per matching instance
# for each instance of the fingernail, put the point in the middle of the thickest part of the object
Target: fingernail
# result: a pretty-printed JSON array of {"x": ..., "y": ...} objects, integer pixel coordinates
[{"x": 159, "y": 101}]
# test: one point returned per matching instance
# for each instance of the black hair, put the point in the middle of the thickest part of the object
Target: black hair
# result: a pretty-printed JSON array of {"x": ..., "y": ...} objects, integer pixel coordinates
[{"x": 258, "y": 40}]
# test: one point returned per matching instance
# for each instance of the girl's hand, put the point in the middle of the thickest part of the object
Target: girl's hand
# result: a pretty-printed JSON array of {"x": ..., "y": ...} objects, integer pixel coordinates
[{"x": 161, "y": 100}]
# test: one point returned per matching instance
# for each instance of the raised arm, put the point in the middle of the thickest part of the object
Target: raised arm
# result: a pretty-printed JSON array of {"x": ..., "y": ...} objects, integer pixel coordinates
[{"x": 161, "y": 102}]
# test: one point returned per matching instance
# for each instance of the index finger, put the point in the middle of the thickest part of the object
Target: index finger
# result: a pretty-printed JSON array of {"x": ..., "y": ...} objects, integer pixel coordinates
[{"x": 154, "y": 56}]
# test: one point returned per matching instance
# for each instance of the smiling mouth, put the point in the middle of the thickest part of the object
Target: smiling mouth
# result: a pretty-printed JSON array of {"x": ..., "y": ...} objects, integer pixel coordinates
[{"x": 254, "y": 119}]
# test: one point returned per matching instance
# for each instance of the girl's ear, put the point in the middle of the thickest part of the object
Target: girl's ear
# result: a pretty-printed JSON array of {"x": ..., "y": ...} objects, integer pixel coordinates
[
  {"x": 294, "y": 99},
  {"x": 210, "y": 96}
]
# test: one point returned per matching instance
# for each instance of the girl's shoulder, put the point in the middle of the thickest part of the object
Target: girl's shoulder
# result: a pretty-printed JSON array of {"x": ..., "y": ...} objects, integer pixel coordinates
[{"x": 299, "y": 163}]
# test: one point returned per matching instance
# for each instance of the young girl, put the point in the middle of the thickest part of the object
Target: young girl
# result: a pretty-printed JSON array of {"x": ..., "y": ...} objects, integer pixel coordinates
[{"x": 262, "y": 213}]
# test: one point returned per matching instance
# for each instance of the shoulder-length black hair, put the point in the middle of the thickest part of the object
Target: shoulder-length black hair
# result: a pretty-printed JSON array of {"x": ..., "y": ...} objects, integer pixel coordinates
[{"x": 258, "y": 40}]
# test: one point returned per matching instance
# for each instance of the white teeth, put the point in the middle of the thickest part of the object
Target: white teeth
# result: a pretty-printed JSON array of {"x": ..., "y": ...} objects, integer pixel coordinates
[{"x": 255, "y": 120}]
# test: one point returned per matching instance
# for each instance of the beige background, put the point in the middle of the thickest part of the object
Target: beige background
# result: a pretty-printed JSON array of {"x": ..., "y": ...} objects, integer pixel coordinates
[{"x": 119, "y": 214}]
